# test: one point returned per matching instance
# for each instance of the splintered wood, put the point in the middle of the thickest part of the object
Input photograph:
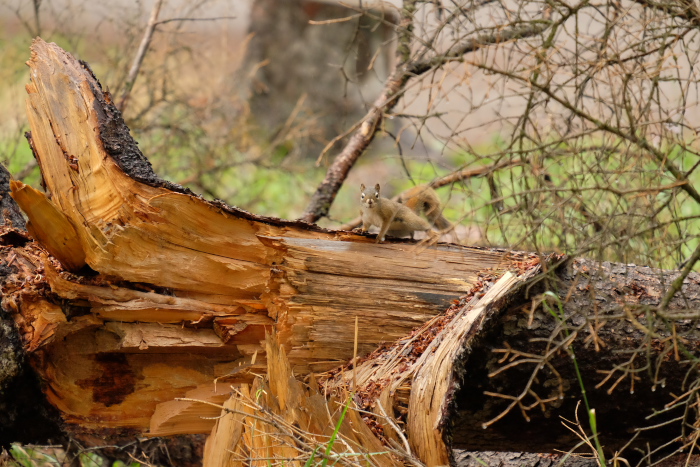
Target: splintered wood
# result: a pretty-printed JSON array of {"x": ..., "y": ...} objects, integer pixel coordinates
[
  {"x": 415, "y": 377},
  {"x": 152, "y": 294},
  {"x": 279, "y": 421}
]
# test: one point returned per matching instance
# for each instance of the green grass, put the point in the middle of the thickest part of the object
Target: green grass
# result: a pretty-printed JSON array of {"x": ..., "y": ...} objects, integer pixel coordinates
[
  {"x": 25, "y": 456},
  {"x": 646, "y": 227},
  {"x": 559, "y": 315},
  {"x": 30, "y": 457}
]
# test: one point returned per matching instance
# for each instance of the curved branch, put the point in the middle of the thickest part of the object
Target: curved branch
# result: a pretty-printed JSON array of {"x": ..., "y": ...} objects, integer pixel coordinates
[{"x": 326, "y": 192}]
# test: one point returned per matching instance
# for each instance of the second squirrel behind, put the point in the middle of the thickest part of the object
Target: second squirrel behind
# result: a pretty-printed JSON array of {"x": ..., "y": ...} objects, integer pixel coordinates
[{"x": 423, "y": 199}]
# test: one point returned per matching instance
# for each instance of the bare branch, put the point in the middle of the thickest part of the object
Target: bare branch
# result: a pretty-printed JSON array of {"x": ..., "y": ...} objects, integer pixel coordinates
[
  {"x": 325, "y": 194},
  {"x": 140, "y": 54}
]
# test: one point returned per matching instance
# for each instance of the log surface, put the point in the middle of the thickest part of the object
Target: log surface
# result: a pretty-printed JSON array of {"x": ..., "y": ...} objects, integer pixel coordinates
[{"x": 629, "y": 363}]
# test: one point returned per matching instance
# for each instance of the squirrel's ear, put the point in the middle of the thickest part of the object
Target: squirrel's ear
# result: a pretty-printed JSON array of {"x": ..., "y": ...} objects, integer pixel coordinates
[
  {"x": 376, "y": 187},
  {"x": 362, "y": 187}
]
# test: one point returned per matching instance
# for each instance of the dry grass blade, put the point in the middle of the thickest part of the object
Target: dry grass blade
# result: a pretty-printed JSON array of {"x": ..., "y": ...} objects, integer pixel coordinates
[{"x": 279, "y": 421}]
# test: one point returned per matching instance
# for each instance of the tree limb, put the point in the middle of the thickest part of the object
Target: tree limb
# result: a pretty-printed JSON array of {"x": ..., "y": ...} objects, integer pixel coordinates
[
  {"x": 326, "y": 192},
  {"x": 141, "y": 54}
]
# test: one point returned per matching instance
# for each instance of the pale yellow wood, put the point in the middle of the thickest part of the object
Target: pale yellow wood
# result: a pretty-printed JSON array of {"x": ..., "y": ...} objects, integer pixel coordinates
[
  {"x": 161, "y": 337},
  {"x": 49, "y": 226},
  {"x": 189, "y": 416},
  {"x": 433, "y": 377},
  {"x": 224, "y": 436},
  {"x": 123, "y": 304},
  {"x": 258, "y": 433},
  {"x": 45, "y": 318}
]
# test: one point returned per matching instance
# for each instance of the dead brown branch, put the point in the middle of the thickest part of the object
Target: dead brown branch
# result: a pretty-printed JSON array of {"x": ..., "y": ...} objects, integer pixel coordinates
[
  {"x": 140, "y": 55},
  {"x": 324, "y": 196}
]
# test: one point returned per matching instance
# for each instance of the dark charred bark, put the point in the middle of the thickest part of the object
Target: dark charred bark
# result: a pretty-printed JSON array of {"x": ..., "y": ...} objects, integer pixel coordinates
[
  {"x": 594, "y": 297},
  {"x": 10, "y": 213},
  {"x": 25, "y": 416},
  {"x": 518, "y": 459}
]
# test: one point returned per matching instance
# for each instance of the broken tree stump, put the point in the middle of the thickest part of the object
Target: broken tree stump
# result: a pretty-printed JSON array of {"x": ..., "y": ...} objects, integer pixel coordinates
[{"x": 186, "y": 289}]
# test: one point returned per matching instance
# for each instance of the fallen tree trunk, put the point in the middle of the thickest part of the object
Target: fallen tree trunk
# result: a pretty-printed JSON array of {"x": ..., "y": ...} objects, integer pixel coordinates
[
  {"x": 186, "y": 288},
  {"x": 151, "y": 294},
  {"x": 522, "y": 358}
]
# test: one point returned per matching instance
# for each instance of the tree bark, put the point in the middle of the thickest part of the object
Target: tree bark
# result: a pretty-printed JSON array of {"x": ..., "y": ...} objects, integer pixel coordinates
[
  {"x": 25, "y": 416},
  {"x": 151, "y": 294},
  {"x": 607, "y": 306}
]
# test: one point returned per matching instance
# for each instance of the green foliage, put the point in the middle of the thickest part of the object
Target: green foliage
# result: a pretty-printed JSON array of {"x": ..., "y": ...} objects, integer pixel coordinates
[
  {"x": 25, "y": 456},
  {"x": 224, "y": 172},
  {"x": 13, "y": 57},
  {"x": 17, "y": 156},
  {"x": 596, "y": 197},
  {"x": 30, "y": 457},
  {"x": 334, "y": 436}
]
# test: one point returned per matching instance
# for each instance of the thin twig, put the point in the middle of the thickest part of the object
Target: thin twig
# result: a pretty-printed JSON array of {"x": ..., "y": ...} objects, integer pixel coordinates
[
  {"x": 140, "y": 55},
  {"x": 325, "y": 194},
  {"x": 182, "y": 20},
  {"x": 677, "y": 284}
]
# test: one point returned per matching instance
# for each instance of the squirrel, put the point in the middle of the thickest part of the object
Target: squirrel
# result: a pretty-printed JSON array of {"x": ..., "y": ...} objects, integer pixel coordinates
[
  {"x": 423, "y": 199},
  {"x": 391, "y": 217}
]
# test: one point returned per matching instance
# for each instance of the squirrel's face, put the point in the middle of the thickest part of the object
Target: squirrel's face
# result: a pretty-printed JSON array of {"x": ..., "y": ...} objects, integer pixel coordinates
[{"x": 369, "y": 197}]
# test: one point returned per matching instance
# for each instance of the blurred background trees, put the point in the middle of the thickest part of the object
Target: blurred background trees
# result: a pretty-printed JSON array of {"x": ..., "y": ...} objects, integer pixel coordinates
[
  {"x": 587, "y": 120},
  {"x": 579, "y": 120}
]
